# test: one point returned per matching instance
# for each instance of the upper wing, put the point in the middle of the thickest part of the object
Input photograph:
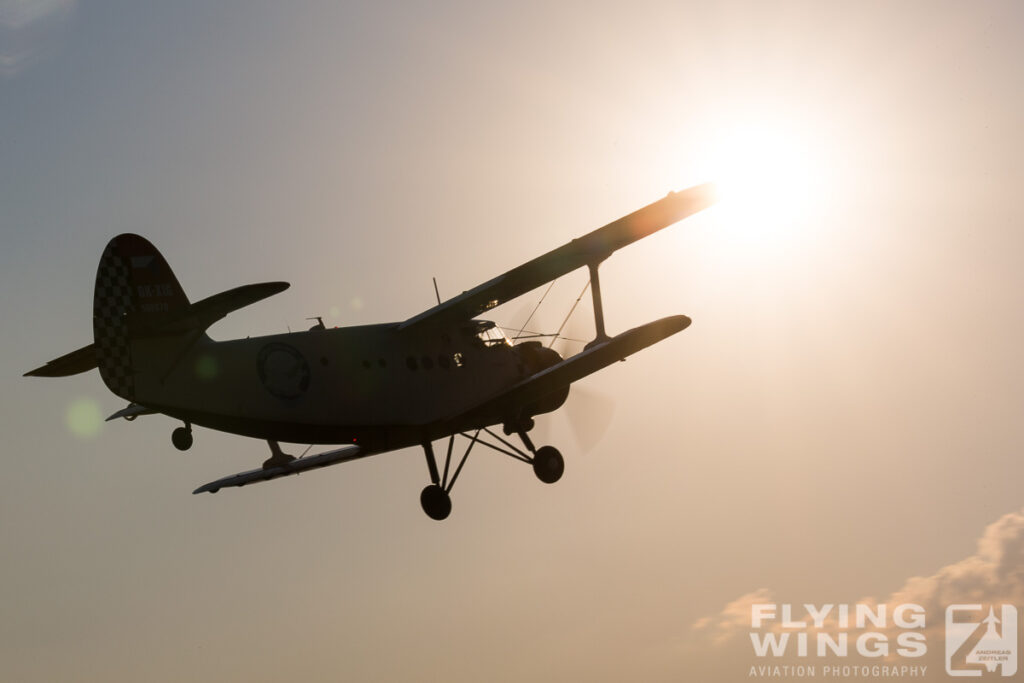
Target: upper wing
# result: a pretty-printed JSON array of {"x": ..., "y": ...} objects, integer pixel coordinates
[
  {"x": 312, "y": 462},
  {"x": 593, "y": 247}
]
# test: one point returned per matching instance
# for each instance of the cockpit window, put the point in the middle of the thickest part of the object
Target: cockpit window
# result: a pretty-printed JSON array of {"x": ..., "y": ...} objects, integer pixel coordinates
[{"x": 486, "y": 333}]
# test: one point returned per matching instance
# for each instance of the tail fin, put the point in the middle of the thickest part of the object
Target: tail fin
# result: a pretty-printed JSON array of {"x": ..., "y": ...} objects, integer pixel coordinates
[
  {"x": 135, "y": 288},
  {"x": 137, "y": 298}
]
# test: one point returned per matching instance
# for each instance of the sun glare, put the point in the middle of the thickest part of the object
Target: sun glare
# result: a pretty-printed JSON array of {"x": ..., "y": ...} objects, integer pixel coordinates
[{"x": 767, "y": 174}]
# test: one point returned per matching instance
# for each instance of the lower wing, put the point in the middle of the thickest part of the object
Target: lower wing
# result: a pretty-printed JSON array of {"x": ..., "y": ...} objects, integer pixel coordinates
[{"x": 296, "y": 466}]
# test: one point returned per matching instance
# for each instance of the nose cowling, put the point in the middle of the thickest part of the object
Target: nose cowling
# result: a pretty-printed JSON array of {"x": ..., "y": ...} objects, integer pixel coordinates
[{"x": 535, "y": 357}]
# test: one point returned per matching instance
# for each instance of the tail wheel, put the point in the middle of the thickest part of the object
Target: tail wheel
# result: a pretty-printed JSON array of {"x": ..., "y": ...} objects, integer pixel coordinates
[
  {"x": 548, "y": 464},
  {"x": 182, "y": 438}
]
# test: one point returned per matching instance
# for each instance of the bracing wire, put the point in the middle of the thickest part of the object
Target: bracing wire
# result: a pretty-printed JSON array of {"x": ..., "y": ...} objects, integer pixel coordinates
[
  {"x": 530, "y": 334},
  {"x": 558, "y": 334},
  {"x": 544, "y": 296}
]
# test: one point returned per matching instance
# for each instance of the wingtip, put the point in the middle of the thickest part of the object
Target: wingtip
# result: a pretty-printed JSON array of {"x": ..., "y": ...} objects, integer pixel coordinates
[
  {"x": 709, "y": 190},
  {"x": 673, "y": 323}
]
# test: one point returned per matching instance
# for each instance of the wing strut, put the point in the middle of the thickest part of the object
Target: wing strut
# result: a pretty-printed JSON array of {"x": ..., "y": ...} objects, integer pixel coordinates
[{"x": 595, "y": 292}]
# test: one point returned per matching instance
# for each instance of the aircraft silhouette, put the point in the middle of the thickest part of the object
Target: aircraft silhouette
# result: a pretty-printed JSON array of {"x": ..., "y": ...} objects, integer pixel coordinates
[{"x": 375, "y": 388}]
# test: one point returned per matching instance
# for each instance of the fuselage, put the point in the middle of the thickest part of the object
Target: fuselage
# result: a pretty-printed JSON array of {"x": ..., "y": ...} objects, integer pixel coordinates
[{"x": 373, "y": 385}]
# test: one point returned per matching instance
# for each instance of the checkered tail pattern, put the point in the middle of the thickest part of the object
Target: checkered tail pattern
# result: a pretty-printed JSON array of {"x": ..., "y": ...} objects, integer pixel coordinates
[{"x": 112, "y": 303}]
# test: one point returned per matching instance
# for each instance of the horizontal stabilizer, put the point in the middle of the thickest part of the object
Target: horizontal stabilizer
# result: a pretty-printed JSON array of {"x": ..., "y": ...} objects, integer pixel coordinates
[
  {"x": 589, "y": 361},
  {"x": 296, "y": 466},
  {"x": 82, "y": 360},
  {"x": 202, "y": 314},
  {"x": 190, "y": 318},
  {"x": 131, "y": 412}
]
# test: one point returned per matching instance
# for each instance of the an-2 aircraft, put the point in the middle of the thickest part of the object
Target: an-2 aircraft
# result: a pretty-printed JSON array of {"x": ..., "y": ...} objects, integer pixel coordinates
[{"x": 375, "y": 388}]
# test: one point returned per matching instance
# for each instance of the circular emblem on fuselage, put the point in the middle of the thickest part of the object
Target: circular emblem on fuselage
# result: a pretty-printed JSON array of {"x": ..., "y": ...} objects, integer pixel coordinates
[{"x": 284, "y": 371}]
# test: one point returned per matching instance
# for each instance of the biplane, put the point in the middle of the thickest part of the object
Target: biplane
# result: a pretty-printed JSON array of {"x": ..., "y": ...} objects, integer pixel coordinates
[{"x": 373, "y": 388}]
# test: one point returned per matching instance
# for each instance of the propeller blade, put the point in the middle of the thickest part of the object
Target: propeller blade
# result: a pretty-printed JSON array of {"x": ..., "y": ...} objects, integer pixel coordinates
[{"x": 589, "y": 413}]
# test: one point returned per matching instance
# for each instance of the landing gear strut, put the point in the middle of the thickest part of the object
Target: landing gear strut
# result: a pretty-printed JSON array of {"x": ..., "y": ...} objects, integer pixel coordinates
[
  {"x": 277, "y": 458},
  {"x": 436, "y": 499},
  {"x": 182, "y": 437}
]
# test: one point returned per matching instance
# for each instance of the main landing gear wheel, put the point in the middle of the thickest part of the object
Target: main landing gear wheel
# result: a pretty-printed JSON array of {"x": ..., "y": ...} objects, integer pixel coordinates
[
  {"x": 182, "y": 438},
  {"x": 548, "y": 464},
  {"x": 436, "y": 502}
]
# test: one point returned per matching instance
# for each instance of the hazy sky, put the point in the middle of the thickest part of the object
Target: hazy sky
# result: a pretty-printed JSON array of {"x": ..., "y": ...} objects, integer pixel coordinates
[{"x": 842, "y": 415}]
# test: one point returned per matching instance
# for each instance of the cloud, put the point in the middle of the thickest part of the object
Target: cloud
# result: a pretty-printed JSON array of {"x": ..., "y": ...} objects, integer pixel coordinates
[
  {"x": 993, "y": 574},
  {"x": 733, "y": 619},
  {"x": 29, "y": 30}
]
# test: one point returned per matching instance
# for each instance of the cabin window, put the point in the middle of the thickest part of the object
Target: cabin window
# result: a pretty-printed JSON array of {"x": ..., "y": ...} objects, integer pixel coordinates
[
  {"x": 410, "y": 362},
  {"x": 457, "y": 357},
  {"x": 367, "y": 364},
  {"x": 427, "y": 362},
  {"x": 381, "y": 363}
]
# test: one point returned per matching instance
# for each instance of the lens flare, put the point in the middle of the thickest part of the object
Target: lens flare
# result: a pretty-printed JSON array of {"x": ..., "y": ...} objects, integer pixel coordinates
[{"x": 84, "y": 418}]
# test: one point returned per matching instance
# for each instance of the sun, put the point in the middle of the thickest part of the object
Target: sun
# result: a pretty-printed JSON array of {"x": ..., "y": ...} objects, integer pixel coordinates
[{"x": 768, "y": 173}]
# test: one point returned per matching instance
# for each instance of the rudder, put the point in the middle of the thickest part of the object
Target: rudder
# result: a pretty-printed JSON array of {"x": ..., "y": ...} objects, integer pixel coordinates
[{"x": 134, "y": 287}]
